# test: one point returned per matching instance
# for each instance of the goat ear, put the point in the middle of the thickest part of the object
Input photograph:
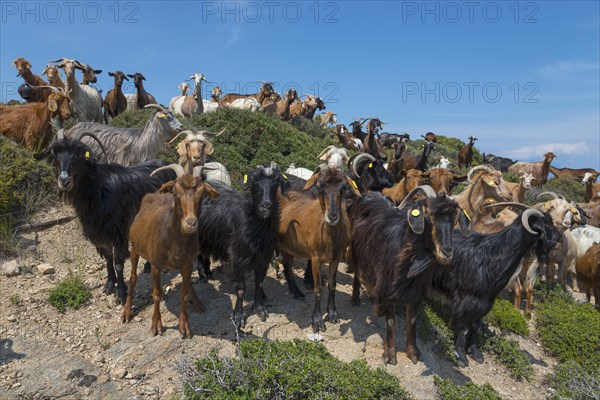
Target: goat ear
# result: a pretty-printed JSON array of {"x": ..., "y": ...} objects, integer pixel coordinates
[
  {"x": 208, "y": 150},
  {"x": 416, "y": 219},
  {"x": 97, "y": 71},
  {"x": 210, "y": 190},
  {"x": 311, "y": 181},
  {"x": 111, "y": 74},
  {"x": 284, "y": 184},
  {"x": 353, "y": 186},
  {"x": 167, "y": 187},
  {"x": 42, "y": 155},
  {"x": 464, "y": 223}
]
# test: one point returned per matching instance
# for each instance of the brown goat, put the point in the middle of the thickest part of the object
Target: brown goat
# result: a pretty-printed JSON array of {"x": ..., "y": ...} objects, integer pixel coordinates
[
  {"x": 347, "y": 139},
  {"x": 465, "y": 155},
  {"x": 281, "y": 108},
  {"x": 266, "y": 90},
  {"x": 141, "y": 98},
  {"x": 539, "y": 170},
  {"x": 409, "y": 180},
  {"x": 401, "y": 160},
  {"x": 327, "y": 118},
  {"x": 572, "y": 174},
  {"x": 30, "y": 94},
  {"x": 442, "y": 180},
  {"x": 89, "y": 74},
  {"x": 371, "y": 145},
  {"x": 164, "y": 232},
  {"x": 316, "y": 228},
  {"x": 588, "y": 261},
  {"x": 518, "y": 190},
  {"x": 194, "y": 148},
  {"x": 53, "y": 75},
  {"x": 115, "y": 102},
  {"x": 31, "y": 124},
  {"x": 592, "y": 189}
]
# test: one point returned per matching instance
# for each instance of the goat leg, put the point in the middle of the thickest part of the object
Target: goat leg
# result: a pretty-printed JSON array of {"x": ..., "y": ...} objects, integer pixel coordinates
[
  {"x": 389, "y": 351},
  {"x": 157, "y": 328},
  {"x": 198, "y": 304},
  {"x": 204, "y": 271},
  {"x": 518, "y": 290},
  {"x": 126, "y": 317},
  {"x": 260, "y": 272},
  {"x": 317, "y": 319},
  {"x": 111, "y": 281},
  {"x": 473, "y": 347},
  {"x": 356, "y": 289},
  {"x": 308, "y": 276},
  {"x": 412, "y": 351},
  {"x": 332, "y": 314},
  {"x": 121, "y": 286},
  {"x": 529, "y": 297},
  {"x": 289, "y": 277},
  {"x": 186, "y": 287},
  {"x": 460, "y": 346},
  {"x": 240, "y": 288}
]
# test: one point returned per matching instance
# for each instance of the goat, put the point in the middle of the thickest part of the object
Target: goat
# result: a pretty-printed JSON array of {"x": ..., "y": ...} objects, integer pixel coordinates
[
  {"x": 386, "y": 139},
  {"x": 465, "y": 155},
  {"x": 164, "y": 232},
  {"x": 316, "y": 228},
  {"x": 86, "y": 102},
  {"x": 281, "y": 107},
  {"x": 115, "y": 102},
  {"x": 266, "y": 90},
  {"x": 592, "y": 190},
  {"x": 443, "y": 163},
  {"x": 302, "y": 173},
  {"x": 239, "y": 229},
  {"x": 500, "y": 163},
  {"x": 369, "y": 173},
  {"x": 427, "y": 149},
  {"x": 183, "y": 88},
  {"x": 26, "y": 91},
  {"x": 193, "y": 105},
  {"x": 346, "y": 139},
  {"x": 518, "y": 190},
  {"x": 89, "y": 74},
  {"x": 481, "y": 267},
  {"x": 538, "y": 169},
  {"x": 442, "y": 180},
  {"x": 327, "y": 118},
  {"x": 409, "y": 180},
  {"x": 357, "y": 131},
  {"x": 140, "y": 99},
  {"x": 334, "y": 156},
  {"x": 587, "y": 265},
  {"x": 401, "y": 160},
  {"x": 53, "y": 75},
  {"x": 106, "y": 198},
  {"x": 591, "y": 212},
  {"x": 392, "y": 249},
  {"x": 128, "y": 146},
  {"x": 31, "y": 124},
  {"x": 572, "y": 174},
  {"x": 370, "y": 144},
  {"x": 307, "y": 108}
]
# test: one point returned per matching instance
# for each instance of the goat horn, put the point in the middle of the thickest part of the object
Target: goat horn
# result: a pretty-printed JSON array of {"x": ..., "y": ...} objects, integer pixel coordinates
[
  {"x": 79, "y": 137},
  {"x": 197, "y": 171},
  {"x": 326, "y": 150},
  {"x": 58, "y": 60},
  {"x": 187, "y": 132},
  {"x": 551, "y": 194},
  {"x": 508, "y": 203},
  {"x": 158, "y": 106},
  {"x": 175, "y": 167},
  {"x": 358, "y": 157},
  {"x": 525, "y": 219},
  {"x": 216, "y": 134},
  {"x": 477, "y": 168},
  {"x": 60, "y": 134},
  {"x": 428, "y": 190}
]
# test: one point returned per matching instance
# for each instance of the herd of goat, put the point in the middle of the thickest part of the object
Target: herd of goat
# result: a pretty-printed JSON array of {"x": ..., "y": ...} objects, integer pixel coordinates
[{"x": 394, "y": 222}]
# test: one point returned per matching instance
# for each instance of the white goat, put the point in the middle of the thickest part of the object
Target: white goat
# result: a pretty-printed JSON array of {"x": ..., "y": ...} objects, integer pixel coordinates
[
  {"x": 444, "y": 163},
  {"x": 300, "y": 172},
  {"x": 183, "y": 88},
  {"x": 337, "y": 157}
]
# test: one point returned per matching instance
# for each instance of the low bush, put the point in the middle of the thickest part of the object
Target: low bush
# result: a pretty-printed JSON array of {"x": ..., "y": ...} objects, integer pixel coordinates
[
  {"x": 507, "y": 318},
  {"x": 448, "y": 390},
  {"x": 508, "y": 352},
  {"x": 571, "y": 381},
  {"x": 70, "y": 292},
  {"x": 288, "y": 370}
]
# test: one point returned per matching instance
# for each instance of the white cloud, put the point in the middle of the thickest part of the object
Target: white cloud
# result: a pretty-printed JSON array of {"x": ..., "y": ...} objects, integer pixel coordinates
[
  {"x": 566, "y": 67},
  {"x": 234, "y": 36},
  {"x": 534, "y": 151}
]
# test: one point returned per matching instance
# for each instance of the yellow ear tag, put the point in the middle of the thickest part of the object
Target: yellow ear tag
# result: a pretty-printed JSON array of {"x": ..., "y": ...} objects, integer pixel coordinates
[
  {"x": 162, "y": 115},
  {"x": 573, "y": 210},
  {"x": 354, "y": 184},
  {"x": 87, "y": 155},
  {"x": 245, "y": 178},
  {"x": 370, "y": 165},
  {"x": 492, "y": 183},
  {"x": 546, "y": 206},
  {"x": 415, "y": 213},
  {"x": 466, "y": 215},
  {"x": 285, "y": 177}
]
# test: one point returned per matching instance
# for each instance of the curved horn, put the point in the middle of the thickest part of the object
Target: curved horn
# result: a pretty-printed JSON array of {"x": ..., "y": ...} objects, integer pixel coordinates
[
  {"x": 428, "y": 190},
  {"x": 508, "y": 203},
  {"x": 326, "y": 150},
  {"x": 216, "y": 134},
  {"x": 158, "y": 106},
  {"x": 60, "y": 134},
  {"x": 551, "y": 194},
  {"x": 79, "y": 137},
  {"x": 58, "y": 60},
  {"x": 525, "y": 219},
  {"x": 477, "y": 168},
  {"x": 359, "y": 157},
  {"x": 187, "y": 132},
  {"x": 197, "y": 172},
  {"x": 175, "y": 167}
]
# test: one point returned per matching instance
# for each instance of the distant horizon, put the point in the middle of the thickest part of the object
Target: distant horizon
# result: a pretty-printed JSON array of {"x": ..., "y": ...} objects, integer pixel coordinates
[{"x": 524, "y": 78}]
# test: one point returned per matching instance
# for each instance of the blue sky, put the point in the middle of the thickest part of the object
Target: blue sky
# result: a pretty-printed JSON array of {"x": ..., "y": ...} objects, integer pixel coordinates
[{"x": 523, "y": 77}]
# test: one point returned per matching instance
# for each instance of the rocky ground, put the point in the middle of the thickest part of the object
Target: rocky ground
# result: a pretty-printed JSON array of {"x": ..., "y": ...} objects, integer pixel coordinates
[{"x": 89, "y": 353}]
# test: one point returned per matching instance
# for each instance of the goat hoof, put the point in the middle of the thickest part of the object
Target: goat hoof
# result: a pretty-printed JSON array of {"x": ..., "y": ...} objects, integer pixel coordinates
[
  {"x": 355, "y": 301},
  {"x": 109, "y": 287},
  {"x": 262, "y": 313},
  {"x": 462, "y": 361},
  {"x": 389, "y": 358},
  {"x": 157, "y": 329},
  {"x": 239, "y": 320},
  {"x": 185, "y": 331},
  {"x": 333, "y": 317},
  {"x": 476, "y": 355}
]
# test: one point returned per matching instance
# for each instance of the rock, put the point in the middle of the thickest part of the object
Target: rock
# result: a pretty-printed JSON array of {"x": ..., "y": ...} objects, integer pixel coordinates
[
  {"x": 119, "y": 373},
  {"x": 93, "y": 283},
  {"x": 11, "y": 268},
  {"x": 12, "y": 318},
  {"x": 46, "y": 269}
]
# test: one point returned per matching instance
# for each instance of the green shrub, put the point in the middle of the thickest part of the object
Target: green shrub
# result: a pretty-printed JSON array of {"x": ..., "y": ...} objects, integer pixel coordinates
[
  {"x": 569, "y": 331},
  {"x": 26, "y": 186},
  {"x": 133, "y": 119},
  {"x": 448, "y": 390},
  {"x": 70, "y": 292},
  {"x": 507, "y": 318},
  {"x": 569, "y": 188},
  {"x": 432, "y": 327},
  {"x": 288, "y": 370},
  {"x": 571, "y": 381},
  {"x": 509, "y": 354}
]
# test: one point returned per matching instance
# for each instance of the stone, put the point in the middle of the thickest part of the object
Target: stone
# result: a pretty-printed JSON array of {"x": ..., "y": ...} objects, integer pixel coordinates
[
  {"x": 12, "y": 318},
  {"x": 119, "y": 373},
  {"x": 11, "y": 268},
  {"x": 93, "y": 283},
  {"x": 46, "y": 269}
]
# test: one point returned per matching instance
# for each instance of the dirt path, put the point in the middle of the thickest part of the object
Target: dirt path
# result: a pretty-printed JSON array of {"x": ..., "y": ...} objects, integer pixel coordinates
[{"x": 89, "y": 353}]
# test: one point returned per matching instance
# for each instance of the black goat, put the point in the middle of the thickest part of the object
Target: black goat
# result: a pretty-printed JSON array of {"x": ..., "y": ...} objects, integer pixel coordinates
[
  {"x": 482, "y": 265},
  {"x": 357, "y": 131},
  {"x": 387, "y": 139},
  {"x": 500, "y": 163},
  {"x": 369, "y": 173},
  {"x": 392, "y": 249},
  {"x": 239, "y": 229},
  {"x": 427, "y": 149},
  {"x": 106, "y": 198}
]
